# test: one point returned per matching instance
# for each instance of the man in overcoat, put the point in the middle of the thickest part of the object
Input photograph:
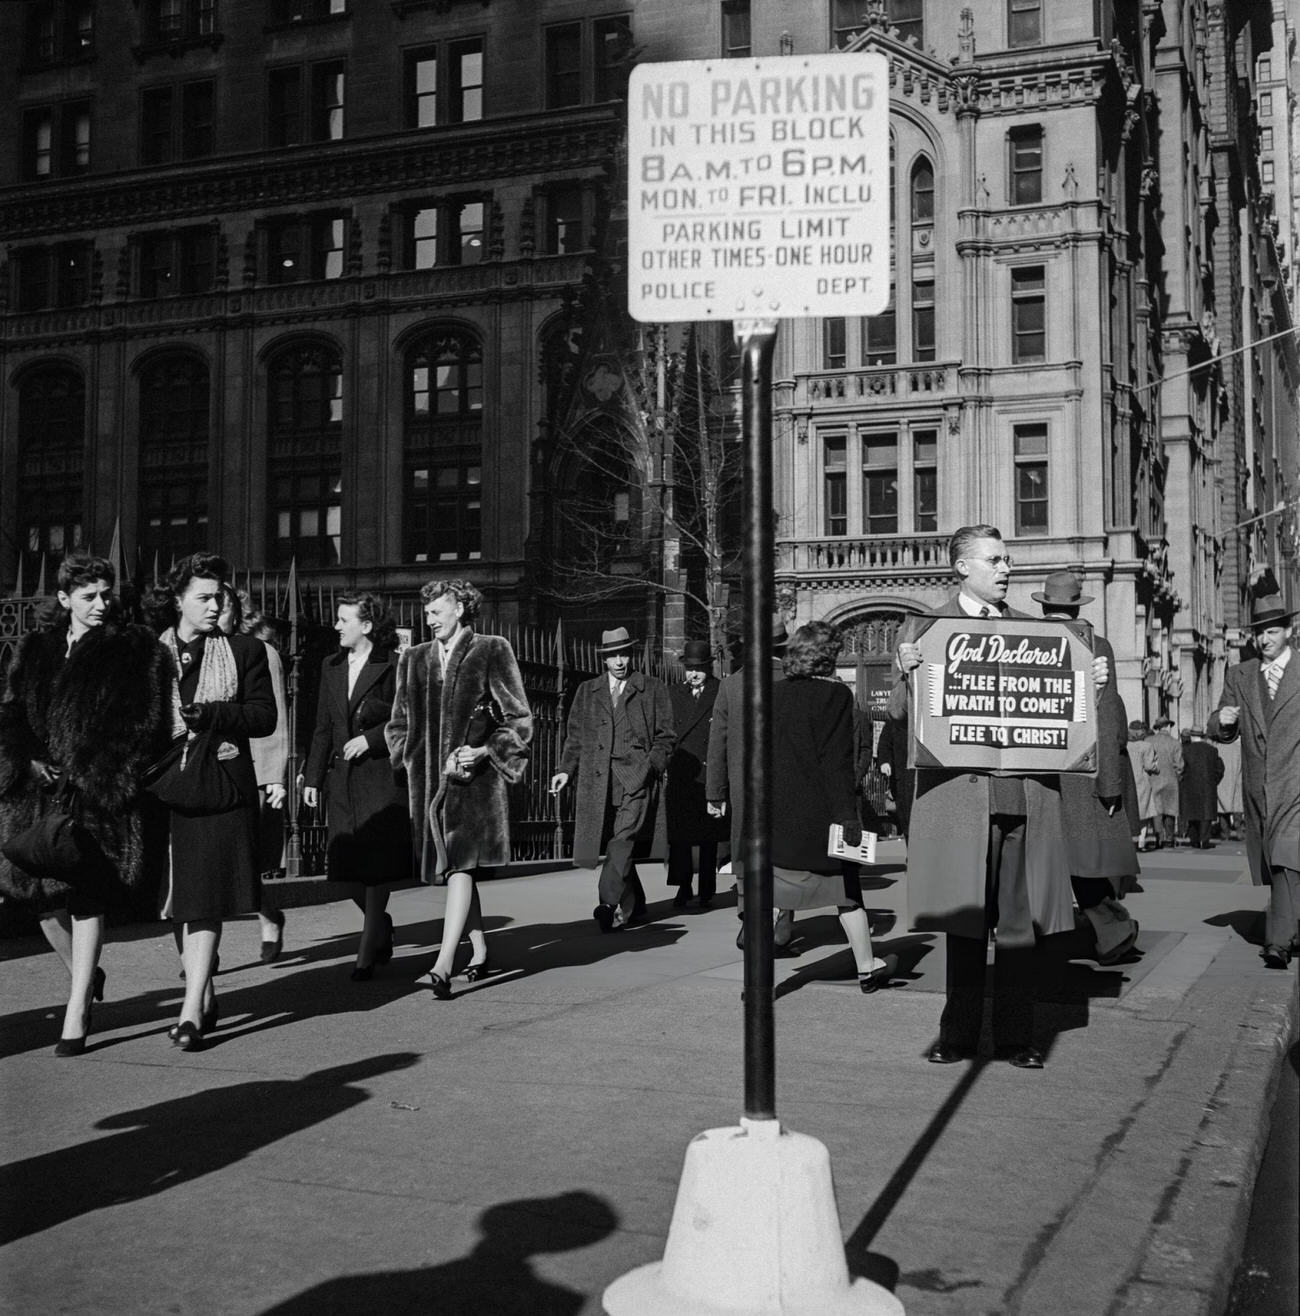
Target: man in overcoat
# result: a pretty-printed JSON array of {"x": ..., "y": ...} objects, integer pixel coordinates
[
  {"x": 617, "y": 742},
  {"x": 985, "y": 851},
  {"x": 1098, "y": 832},
  {"x": 690, "y": 825},
  {"x": 725, "y": 775},
  {"x": 1261, "y": 705},
  {"x": 1164, "y": 782}
]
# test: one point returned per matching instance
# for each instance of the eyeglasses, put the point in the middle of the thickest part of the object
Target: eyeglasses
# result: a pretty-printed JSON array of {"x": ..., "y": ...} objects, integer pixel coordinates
[{"x": 997, "y": 560}]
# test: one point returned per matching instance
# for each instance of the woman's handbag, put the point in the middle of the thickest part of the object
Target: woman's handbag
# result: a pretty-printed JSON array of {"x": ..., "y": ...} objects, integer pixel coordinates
[
  {"x": 192, "y": 778},
  {"x": 56, "y": 844},
  {"x": 483, "y": 721}
]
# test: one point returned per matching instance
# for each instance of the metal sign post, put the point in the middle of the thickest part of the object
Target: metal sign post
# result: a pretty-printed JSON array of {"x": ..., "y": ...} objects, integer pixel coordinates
[{"x": 757, "y": 340}]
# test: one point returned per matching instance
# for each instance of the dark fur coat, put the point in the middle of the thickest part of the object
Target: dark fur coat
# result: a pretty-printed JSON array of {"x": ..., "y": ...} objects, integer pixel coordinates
[
  {"x": 101, "y": 713},
  {"x": 459, "y": 826}
]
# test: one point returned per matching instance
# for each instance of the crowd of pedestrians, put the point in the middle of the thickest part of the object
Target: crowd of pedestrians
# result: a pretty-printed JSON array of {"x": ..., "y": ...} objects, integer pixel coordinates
[{"x": 146, "y": 764}]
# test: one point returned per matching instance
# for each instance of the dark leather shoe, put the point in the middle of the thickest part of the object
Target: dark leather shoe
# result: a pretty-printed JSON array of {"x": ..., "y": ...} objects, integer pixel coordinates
[
  {"x": 441, "y": 986},
  {"x": 1277, "y": 957},
  {"x": 681, "y": 899},
  {"x": 604, "y": 916},
  {"x": 1024, "y": 1057},
  {"x": 363, "y": 973},
  {"x": 944, "y": 1053},
  {"x": 189, "y": 1037},
  {"x": 477, "y": 972},
  {"x": 70, "y": 1046},
  {"x": 271, "y": 949}
]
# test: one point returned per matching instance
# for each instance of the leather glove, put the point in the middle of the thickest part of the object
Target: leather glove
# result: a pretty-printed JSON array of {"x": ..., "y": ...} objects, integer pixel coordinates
[
  {"x": 852, "y": 833},
  {"x": 197, "y": 717}
]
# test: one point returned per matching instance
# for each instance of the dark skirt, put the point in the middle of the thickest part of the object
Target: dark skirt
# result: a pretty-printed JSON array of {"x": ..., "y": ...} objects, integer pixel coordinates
[
  {"x": 214, "y": 866},
  {"x": 794, "y": 888}
]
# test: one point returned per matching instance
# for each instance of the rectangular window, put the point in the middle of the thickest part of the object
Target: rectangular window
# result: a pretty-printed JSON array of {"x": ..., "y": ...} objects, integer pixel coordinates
[
  {"x": 880, "y": 483},
  {"x": 1265, "y": 104},
  {"x": 1265, "y": 69},
  {"x": 611, "y": 40},
  {"x": 302, "y": 11},
  {"x": 469, "y": 236},
  {"x": 835, "y": 485},
  {"x": 166, "y": 135},
  {"x": 1266, "y": 139},
  {"x": 834, "y": 343},
  {"x": 422, "y": 87},
  {"x": 182, "y": 261},
  {"x": 465, "y": 92},
  {"x": 1028, "y": 315},
  {"x": 1024, "y": 23},
  {"x": 1266, "y": 173},
  {"x": 284, "y": 123},
  {"x": 1031, "y": 479},
  {"x": 423, "y": 238},
  {"x": 563, "y": 66},
  {"x": 736, "y": 40},
  {"x": 56, "y": 140},
  {"x": 59, "y": 32},
  {"x": 880, "y": 336},
  {"x": 923, "y": 341},
  {"x": 925, "y": 481},
  {"x": 55, "y": 276},
  {"x": 167, "y": 21},
  {"x": 156, "y": 125},
  {"x": 908, "y": 17},
  {"x": 304, "y": 248},
  {"x": 846, "y": 21},
  {"x": 1026, "y": 165},
  {"x": 327, "y": 101},
  {"x": 565, "y": 230},
  {"x": 198, "y": 130},
  {"x": 307, "y": 520}
]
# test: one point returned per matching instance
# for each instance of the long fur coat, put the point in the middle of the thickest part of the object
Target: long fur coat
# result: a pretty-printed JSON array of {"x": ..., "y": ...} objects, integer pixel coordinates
[
  {"x": 458, "y": 826},
  {"x": 102, "y": 713}
]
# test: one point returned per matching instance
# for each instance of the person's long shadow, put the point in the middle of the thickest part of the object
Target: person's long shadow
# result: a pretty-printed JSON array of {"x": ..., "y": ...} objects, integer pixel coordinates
[
  {"x": 175, "y": 1142},
  {"x": 1248, "y": 924},
  {"x": 496, "y": 1278}
]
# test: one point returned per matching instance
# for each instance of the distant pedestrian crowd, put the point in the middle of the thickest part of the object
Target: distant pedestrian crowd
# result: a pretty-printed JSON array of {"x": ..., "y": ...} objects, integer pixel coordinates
[{"x": 144, "y": 753}]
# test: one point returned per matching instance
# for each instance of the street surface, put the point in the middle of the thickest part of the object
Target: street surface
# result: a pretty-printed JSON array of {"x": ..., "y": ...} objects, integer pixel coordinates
[{"x": 359, "y": 1147}]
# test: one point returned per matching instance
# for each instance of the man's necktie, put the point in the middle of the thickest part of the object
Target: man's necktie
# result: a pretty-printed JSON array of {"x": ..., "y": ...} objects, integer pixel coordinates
[
  {"x": 1273, "y": 675},
  {"x": 985, "y": 610}
]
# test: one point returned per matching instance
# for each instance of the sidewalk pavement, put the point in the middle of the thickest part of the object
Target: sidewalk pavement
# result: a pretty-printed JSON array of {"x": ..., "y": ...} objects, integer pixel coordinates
[{"x": 345, "y": 1147}]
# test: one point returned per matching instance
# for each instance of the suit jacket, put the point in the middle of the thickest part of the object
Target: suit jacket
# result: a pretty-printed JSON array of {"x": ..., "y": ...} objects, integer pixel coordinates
[
  {"x": 1269, "y": 730},
  {"x": 684, "y": 799},
  {"x": 947, "y": 844},
  {"x": 725, "y": 773},
  {"x": 588, "y": 742}
]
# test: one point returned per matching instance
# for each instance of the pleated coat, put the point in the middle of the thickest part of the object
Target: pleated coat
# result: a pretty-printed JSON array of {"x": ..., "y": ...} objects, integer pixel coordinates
[
  {"x": 948, "y": 837},
  {"x": 1269, "y": 731}
]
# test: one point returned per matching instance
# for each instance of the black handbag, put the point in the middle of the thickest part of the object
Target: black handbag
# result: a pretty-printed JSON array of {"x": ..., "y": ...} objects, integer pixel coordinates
[
  {"x": 191, "y": 778},
  {"x": 56, "y": 844}
]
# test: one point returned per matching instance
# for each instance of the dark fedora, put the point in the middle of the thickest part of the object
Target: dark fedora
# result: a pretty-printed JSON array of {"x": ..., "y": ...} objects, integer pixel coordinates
[
  {"x": 615, "y": 641},
  {"x": 1062, "y": 589},
  {"x": 697, "y": 653},
  {"x": 1268, "y": 610}
]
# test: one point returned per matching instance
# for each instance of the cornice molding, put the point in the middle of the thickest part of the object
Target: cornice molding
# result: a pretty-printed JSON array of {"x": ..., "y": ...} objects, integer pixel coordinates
[{"x": 417, "y": 160}]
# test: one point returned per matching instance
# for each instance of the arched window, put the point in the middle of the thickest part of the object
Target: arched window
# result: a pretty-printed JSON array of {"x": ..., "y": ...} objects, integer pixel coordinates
[
  {"x": 443, "y": 445},
  {"x": 923, "y": 192},
  {"x": 174, "y": 406},
  {"x": 51, "y": 455},
  {"x": 305, "y": 456}
]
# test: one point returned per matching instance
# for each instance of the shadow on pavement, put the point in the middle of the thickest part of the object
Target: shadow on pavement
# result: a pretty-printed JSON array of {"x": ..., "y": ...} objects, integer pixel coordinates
[
  {"x": 495, "y": 1278},
  {"x": 1248, "y": 924},
  {"x": 175, "y": 1142}
]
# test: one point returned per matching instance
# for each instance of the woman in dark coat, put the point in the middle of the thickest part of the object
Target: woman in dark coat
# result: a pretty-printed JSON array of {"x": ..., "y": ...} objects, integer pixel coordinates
[
  {"x": 85, "y": 703},
  {"x": 813, "y": 778},
  {"x": 224, "y": 687},
  {"x": 368, "y": 825},
  {"x": 461, "y": 728}
]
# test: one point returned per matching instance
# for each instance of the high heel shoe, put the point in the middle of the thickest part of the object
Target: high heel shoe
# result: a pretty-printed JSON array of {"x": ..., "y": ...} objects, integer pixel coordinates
[
  {"x": 363, "y": 973},
  {"x": 477, "y": 972},
  {"x": 70, "y": 1046},
  {"x": 385, "y": 952},
  {"x": 207, "y": 1021},
  {"x": 97, "y": 983},
  {"x": 189, "y": 1037},
  {"x": 271, "y": 949},
  {"x": 874, "y": 979},
  {"x": 441, "y": 986}
]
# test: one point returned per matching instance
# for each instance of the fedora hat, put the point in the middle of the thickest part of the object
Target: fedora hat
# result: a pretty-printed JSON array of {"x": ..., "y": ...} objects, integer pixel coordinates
[
  {"x": 696, "y": 653},
  {"x": 615, "y": 641},
  {"x": 1268, "y": 610},
  {"x": 1062, "y": 589}
]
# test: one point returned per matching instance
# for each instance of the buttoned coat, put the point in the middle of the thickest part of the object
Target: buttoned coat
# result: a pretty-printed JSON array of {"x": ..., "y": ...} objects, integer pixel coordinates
[
  {"x": 725, "y": 774},
  {"x": 1100, "y": 844},
  {"x": 1269, "y": 731},
  {"x": 948, "y": 837},
  {"x": 1198, "y": 791},
  {"x": 459, "y": 826},
  {"x": 689, "y": 821},
  {"x": 588, "y": 740},
  {"x": 366, "y": 807},
  {"x": 1169, "y": 768}
]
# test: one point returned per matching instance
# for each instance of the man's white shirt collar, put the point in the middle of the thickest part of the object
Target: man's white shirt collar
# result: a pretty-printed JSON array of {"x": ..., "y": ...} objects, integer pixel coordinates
[{"x": 971, "y": 607}]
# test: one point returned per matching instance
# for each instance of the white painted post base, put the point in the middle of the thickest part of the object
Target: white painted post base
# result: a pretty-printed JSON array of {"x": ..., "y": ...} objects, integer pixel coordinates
[{"x": 755, "y": 1232}]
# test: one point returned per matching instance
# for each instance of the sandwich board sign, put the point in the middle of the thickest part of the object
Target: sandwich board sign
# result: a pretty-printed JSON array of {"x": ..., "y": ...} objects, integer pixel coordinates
[{"x": 758, "y": 189}]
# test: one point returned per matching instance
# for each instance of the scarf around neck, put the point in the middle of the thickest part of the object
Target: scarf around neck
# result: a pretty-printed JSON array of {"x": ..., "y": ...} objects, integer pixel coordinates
[{"x": 218, "y": 676}]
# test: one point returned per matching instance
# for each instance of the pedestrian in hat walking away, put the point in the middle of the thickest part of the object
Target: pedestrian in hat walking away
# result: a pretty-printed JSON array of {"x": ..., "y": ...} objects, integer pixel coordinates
[
  {"x": 691, "y": 827},
  {"x": 1097, "y": 828},
  {"x": 1260, "y": 705},
  {"x": 617, "y": 744}
]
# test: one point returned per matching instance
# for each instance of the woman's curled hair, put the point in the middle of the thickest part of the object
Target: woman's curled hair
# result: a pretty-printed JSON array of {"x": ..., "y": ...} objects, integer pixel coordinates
[
  {"x": 371, "y": 608},
  {"x": 813, "y": 649},
  {"x": 469, "y": 596}
]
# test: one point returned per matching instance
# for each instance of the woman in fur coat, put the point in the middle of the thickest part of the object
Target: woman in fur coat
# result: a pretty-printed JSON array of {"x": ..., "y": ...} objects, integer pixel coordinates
[
  {"x": 461, "y": 728},
  {"x": 86, "y": 704},
  {"x": 369, "y": 831}
]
